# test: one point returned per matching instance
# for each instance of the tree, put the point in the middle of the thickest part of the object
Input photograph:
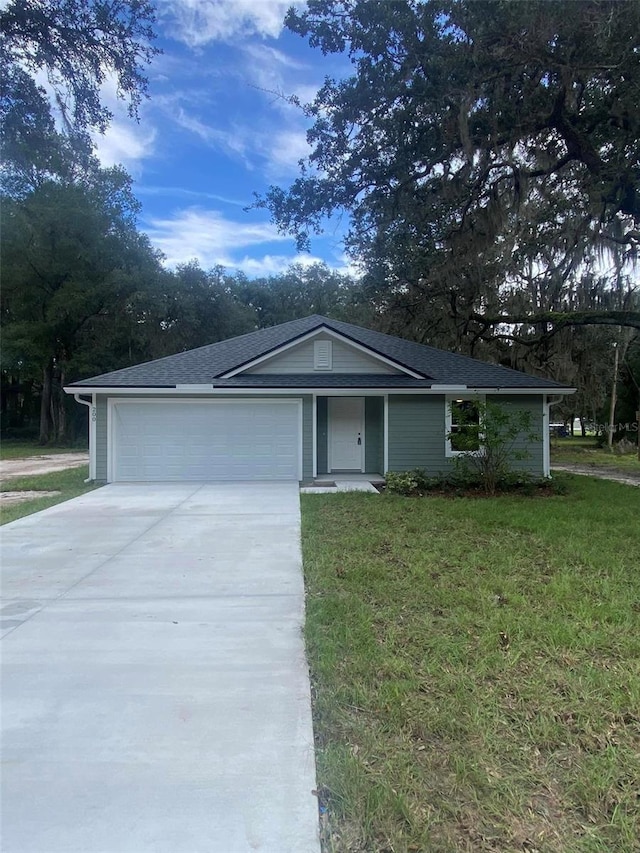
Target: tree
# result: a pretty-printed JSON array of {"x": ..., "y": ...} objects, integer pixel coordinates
[
  {"x": 78, "y": 45},
  {"x": 70, "y": 254},
  {"x": 481, "y": 147},
  {"x": 303, "y": 290},
  {"x": 194, "y": 308}
]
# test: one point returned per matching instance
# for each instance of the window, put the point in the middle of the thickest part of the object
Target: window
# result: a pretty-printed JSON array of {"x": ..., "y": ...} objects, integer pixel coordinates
[
  {"x": 322, "y": 355},
  {"x": 462, "y": 426}
]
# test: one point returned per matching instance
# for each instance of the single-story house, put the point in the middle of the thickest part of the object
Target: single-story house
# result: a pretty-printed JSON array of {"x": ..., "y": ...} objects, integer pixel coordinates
[{"x": 306, "y": 398}]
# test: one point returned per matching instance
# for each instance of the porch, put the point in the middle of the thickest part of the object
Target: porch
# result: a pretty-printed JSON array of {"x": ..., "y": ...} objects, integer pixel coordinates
[{"x": 350, "y": 439}]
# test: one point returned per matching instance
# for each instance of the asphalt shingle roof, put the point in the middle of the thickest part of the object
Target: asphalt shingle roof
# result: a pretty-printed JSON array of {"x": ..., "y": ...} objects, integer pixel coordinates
[{"x": 206, "y": 364}]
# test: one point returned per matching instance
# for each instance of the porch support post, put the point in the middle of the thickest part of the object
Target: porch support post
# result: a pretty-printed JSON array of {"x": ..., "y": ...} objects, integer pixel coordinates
[
  {"x": 314, "y": 434},
  {"x": 546, "y": 437},
  {"x": 386, "y": 436}
]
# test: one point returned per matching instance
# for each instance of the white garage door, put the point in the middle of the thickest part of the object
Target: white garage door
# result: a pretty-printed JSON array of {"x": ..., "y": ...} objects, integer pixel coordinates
[{"x": 193, "y": 440}]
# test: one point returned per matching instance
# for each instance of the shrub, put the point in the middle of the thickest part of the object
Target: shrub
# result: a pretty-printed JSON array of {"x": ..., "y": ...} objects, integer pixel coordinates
[
  {"x": 401, "y": 482},
  {"x": 500, "y": 429}
]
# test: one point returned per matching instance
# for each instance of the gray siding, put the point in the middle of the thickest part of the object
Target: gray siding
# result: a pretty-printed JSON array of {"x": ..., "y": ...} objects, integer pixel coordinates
[
  {"x": 323, "y": 435},
  {"x": 374, "y": 435},
  {"x": 101, "y": 427},
  {"x": 417, "y": 432},
  {"x": 307, "y": 437},
  {"x": 534, "y": 464},
  {"x": 101, "y": 438},
  {"x": 345, "y": 359}
]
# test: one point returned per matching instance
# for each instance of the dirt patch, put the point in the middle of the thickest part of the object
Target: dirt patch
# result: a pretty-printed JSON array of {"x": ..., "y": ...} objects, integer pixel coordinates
[
  {"x": 10, "y": 498},
  {"x": 630, "y": 478},
  {"x": 46, "y": 464}
]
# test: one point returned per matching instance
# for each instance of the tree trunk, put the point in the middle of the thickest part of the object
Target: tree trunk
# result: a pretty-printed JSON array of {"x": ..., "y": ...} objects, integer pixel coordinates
[
  {"x": 583, "y": 427},
  {"x": 614, "y": 399},
  {"x": 45, "y": 403},
  {"x": 62, "y": 411}
]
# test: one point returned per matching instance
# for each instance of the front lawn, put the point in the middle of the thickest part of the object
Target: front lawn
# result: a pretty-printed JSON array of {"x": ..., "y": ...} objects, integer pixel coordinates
[
  {"x": 476, "y": 670},
  {"x": 69, "y": 483},
  {"x": 585, "y": 451}
]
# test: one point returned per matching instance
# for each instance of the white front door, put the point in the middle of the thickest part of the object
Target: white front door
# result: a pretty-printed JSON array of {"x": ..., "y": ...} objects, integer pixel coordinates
[{"x": 346, "y": 433}]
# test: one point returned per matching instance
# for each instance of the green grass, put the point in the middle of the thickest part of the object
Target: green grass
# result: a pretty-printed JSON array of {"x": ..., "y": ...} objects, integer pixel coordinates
[
  {"x": 11, "y": 449},
  {"x": 584, "y": 451},
  {"x": 70, "y": 483},
  {"x": 476, "y": 670}
]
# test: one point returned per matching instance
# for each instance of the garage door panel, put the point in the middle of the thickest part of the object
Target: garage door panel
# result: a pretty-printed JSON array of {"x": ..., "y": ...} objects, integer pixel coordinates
[{"x": 205, "y": 441}]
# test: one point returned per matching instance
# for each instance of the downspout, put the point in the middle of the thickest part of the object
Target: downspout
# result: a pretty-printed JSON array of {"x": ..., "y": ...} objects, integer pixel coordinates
[
  {"x": 92, "y": 433},
  {"x": 546, "y": 420}
]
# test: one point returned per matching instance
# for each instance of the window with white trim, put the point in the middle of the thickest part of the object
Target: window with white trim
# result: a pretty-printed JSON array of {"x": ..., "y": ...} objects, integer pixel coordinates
[
  {"x": 462, "y": 425},
  {"x": 322, "y": 355}
]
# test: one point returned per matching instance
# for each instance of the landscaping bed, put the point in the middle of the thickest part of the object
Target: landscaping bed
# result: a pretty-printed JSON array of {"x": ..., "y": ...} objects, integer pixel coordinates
[{"x": 476, "y": 670}]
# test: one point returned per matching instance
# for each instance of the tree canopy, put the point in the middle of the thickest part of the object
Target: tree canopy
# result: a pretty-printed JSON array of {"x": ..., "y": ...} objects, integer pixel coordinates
[
  {"x": 78, "y": 45},
  {"x": 488, "y": 153}
]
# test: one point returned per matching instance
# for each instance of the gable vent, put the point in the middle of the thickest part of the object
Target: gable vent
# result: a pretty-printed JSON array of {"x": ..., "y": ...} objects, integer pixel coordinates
[{"x": 322, "y": 355}]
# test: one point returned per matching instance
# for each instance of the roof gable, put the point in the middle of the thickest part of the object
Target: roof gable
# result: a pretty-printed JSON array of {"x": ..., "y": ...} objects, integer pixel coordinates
[{"x": 296, "y": 356}]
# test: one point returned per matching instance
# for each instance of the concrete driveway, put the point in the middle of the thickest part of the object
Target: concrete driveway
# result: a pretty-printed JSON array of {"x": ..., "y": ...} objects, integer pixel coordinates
[{"x": 155, "y": 695}]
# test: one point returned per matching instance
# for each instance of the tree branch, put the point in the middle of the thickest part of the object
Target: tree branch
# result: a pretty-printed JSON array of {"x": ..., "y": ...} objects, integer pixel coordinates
[{"x": 561, "y": 319}]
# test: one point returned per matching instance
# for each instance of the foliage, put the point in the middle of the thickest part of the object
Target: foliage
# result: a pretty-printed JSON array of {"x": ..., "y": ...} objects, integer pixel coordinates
[
  {"x": 70, "y": 255},
  {"x": 401, "y": 482},
  {"x": 78, "y": 45},
  {"x": 303, "y": 290},
  {"x": 505, "y": 434},
  {"x": 487, "y": 152}
]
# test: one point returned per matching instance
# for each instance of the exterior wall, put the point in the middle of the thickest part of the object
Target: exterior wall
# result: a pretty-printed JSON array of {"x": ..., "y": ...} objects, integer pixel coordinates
[
  {"x": 307, "y": 437},
  {"x": 323, "y": 435},
  {"x": 534, "y": 464},
  {"x": 374, "y": 435},
  {"x": 417, "y": 432},
  {"x": 102, "y": 438},
  {"x": 345, "y": 359}
]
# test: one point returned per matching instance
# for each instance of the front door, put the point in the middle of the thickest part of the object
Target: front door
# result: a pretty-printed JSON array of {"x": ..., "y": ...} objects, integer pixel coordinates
[{"x": 346, "y": 434}]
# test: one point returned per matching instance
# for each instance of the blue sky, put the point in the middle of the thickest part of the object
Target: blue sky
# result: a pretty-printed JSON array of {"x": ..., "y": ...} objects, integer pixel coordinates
[{"x": 213, "y": 132}]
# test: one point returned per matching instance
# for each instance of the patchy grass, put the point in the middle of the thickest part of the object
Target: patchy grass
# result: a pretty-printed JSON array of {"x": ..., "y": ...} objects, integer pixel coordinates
[
  {"x": 584, "y": 451},
  {"x": 70, "y": 483},
  {"x": 476, "y": 670},
  {"x": 10, "y": 449}
]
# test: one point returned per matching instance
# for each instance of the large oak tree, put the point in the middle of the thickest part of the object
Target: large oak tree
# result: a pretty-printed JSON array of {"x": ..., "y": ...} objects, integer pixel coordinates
[{"x": 488, "y": 153}]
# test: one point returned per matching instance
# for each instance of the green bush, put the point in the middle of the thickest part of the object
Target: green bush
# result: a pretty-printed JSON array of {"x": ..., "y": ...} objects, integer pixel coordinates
[
  {"x": 500, "y": 430},
  {"x": 401, "y": 482}
]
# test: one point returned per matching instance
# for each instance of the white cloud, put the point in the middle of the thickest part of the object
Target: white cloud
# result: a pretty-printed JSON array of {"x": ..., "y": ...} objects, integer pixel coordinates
[
  {"x": 173, "y": 192},
  {"x": 279, "y": 76},
  {"x": 275, "y": 150},
  {"x": 205, "y": 235},
  {"x": 273, "y": 264},
  {"x": 198, "y": 22},
  {"x": 282, "y": 151},
  {"x": 235, "y": 141},
  {"x": 125, "y": 143},
  {"x": 211, "y": 239}
]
